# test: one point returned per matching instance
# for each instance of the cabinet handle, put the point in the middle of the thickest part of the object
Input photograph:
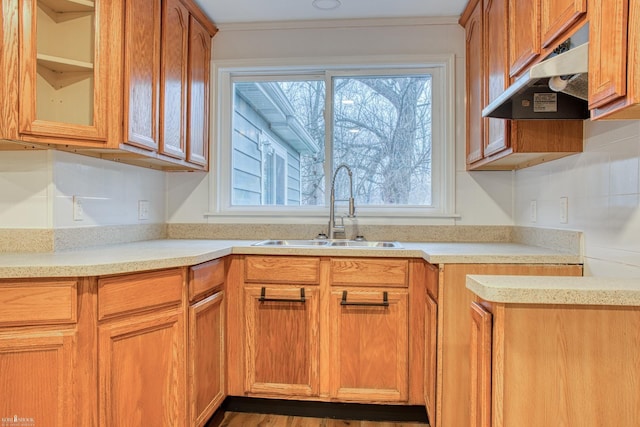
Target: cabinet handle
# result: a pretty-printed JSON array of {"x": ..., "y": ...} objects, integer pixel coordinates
[
  {"x": 384, "y": 303},
  {"x": 263, "y": 297}
]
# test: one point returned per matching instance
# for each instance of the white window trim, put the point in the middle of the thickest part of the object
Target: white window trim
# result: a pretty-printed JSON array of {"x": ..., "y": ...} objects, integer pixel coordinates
[{"x": 221, "y": 114}]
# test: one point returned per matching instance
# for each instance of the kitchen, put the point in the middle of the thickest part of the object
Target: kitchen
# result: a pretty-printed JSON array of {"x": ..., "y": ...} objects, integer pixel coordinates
[{"x": 601, "y": 184}]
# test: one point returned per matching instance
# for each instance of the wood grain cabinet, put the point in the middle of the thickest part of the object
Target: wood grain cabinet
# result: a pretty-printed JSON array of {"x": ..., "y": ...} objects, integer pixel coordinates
[
  {"x": 614, "y": 59},
  {"x": 56, "y": 71},
  {"x": 456, "y": 372},
  {"x": 142, "y": 349},
  {"x": 534, "y": 364},
  {"x": 369, "y": 330},
  {"x": 431, "y": 341},
  {"x": 167, "y": 55},
  {"x": 206, "y": 351},
  {"x": 369, "y": 344},
  {"x": 124, "y": 80},
  {"x": 498, "y": 48},
  {"x": 281, "y": 331},
  {"x": 38, "y": 345},
  {"x": 327, "y": 328}
]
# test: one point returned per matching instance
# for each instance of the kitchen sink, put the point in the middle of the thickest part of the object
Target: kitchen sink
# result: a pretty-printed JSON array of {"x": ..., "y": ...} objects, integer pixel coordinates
[
  {"x": 312, "y": 243},
  {"x": 364, "y": 244},
  {"x": 318, "y": 243}
]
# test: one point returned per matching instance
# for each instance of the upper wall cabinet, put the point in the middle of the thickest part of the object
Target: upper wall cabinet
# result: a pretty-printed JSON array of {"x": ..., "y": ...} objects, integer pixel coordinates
[
  {"x": 55, "y": 75},
  {"x": 614, "y": 59},
  {"x": 537, "y": 27},
  {"x": 497, "y": 144},
  {"x": 110, "y": 79}
]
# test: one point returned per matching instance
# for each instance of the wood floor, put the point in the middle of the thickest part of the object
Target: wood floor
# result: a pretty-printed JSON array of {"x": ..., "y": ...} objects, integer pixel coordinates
[{"x": 238, "y": 419}]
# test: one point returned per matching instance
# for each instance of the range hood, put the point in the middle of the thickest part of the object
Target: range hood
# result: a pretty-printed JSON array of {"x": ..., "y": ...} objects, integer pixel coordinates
[{"x": 531, "y": 97}]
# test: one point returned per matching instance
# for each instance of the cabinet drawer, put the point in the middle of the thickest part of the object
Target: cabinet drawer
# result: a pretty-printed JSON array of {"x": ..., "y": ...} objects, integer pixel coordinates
[
  {"x": 282, "y": 269},
  {"x": 369, "y": 272},
  {"x": 36, "y": 303},
  {"x": 138, "y": 292},
  {"x": 205, "y": 277}
]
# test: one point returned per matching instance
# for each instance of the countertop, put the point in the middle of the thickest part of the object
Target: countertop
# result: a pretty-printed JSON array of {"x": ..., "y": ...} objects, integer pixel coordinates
[
  {"x": 157, "y": 254},
  {"x": 556, "y": 290}
]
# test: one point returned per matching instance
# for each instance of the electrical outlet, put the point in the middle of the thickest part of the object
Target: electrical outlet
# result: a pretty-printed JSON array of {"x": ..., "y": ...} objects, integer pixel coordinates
[
  {"x": 143, "y": 209},
  {"x": 564, "y": 210},
  {"x": 78, "y": 210},
  {"x": 533, "y": 211}
]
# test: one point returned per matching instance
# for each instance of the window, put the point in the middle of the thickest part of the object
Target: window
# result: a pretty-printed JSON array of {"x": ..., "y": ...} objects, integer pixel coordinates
[{"x": 290, "y": 129}]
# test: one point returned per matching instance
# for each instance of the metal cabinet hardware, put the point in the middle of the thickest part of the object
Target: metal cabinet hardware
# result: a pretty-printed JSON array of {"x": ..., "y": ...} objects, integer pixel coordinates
[
  {"x": 263, "y": 297},
  {"x": 384, "y": 303}
]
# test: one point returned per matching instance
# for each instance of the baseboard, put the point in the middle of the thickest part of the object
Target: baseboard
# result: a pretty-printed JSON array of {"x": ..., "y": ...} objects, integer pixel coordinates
[{"x": 342, "y": 411}]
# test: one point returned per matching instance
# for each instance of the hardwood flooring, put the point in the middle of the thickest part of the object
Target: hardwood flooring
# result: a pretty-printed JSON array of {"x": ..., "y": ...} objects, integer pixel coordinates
[{"x": 239, "y": 419}]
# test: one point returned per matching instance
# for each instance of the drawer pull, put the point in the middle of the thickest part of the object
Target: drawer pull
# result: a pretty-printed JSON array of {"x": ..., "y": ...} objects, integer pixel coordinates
[
  {"x": 263, "y": 297},
  {"x": 384, "y": 303}
]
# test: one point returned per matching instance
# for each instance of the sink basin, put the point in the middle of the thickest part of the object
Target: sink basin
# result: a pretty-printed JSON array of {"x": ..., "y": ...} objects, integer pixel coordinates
[
  {"x": 312, "y": 243},
  {"x": 364, "y": 244},
  {"x": 328, "y": 243}
]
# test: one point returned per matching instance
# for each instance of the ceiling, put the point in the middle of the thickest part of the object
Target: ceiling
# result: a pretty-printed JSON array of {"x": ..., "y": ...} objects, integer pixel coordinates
[{"x": 233, "y": 11}]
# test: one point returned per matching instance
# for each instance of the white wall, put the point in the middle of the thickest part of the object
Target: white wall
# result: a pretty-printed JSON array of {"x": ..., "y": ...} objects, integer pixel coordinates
[
  {"x": 485, "y": 199},
  {"x": 37, "y": 187},
  {"x": 603, "y": 189}
]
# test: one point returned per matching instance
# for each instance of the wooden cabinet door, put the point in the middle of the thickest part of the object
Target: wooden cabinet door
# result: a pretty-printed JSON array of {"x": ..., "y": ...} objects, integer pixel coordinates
[
  {"x": 474, "y": 76},
  {"x": 142, "y": 72},
  {"x": 524, "y": 34},
  {"x": 281, "y": 340},
  {"x": 206, "y": 357},
  {"x": 173, "y": 96},
  {"x": 141, "y": 365},
  {"x": 63, "y": 72},
  {"x": 369, "y": 345},
  {"x": 607, "y": 51},
  {"x": 496, "y": 75},
  {"x": 431, "y": 343},
  {"x": 37, "y": 378},
  {"x": 558, "y": 16},
  {"x": 480, "y": 349},
  {"x": 198, "y": 84}
]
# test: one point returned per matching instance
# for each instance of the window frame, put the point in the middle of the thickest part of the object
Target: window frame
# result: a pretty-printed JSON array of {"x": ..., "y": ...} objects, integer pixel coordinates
[{"x": 443, "y": 125}]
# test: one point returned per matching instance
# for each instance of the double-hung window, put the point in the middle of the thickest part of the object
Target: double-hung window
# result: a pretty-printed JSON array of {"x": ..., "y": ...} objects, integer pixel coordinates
[{"x": 284, "y": 130}]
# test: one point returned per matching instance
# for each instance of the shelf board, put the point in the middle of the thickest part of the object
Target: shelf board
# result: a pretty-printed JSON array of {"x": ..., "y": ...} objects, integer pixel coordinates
[
  {"x": 67, "y": 6},
  {"x": 62, "y": 65},
  {"x": 60, "y": 72}
]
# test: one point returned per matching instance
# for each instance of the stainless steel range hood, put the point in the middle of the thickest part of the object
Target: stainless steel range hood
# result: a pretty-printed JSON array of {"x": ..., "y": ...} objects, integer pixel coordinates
[{"x": 531, "y": 98}]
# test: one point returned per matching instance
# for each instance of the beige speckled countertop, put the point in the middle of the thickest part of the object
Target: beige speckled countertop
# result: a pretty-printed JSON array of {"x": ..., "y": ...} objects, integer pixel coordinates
[
  {"x": 556, "y": 290},
  {"x": 156, "y": 254}
]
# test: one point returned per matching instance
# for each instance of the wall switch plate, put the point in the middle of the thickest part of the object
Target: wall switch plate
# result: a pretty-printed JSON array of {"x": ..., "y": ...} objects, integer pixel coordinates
[
  {"x": 564, "y": 210},
  {"x": 533, "y": 211},
  {"x": 143, "y": 209},
  {"x": 78, "y": 210}
]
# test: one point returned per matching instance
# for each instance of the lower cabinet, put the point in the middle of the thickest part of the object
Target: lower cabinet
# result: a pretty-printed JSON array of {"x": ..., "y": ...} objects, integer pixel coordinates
[
  {"x": 480, "y": 354},
  {"x": 206, "y": 357},
  {"x": 369, "y": 345},
  {"x": 206, "y": 347},
  {"x": 142, "y": 350},
  {"x": 455, "y": 336},
  {"x": 327, "y": 328},
  {"x": 560, "y": 365},
  {"x": 281, "y": 340},
  {"x": 36, "y": 377},
  {"x": 142, "y": 365},
  {"x": 38, "y": 344}
]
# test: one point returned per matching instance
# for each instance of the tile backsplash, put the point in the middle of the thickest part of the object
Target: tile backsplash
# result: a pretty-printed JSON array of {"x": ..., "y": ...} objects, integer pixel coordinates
[
  {"x": 602, "y": 188},
  {"x": 38, "y": 188}
]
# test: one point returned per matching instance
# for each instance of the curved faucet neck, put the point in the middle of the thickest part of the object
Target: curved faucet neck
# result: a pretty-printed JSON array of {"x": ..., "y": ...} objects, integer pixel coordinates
[{"x": 333, "y": 228}]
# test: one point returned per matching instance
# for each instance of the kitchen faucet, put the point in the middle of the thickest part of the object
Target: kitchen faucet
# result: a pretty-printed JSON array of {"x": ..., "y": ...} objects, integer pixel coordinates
[{"x": 333, "y": 228}]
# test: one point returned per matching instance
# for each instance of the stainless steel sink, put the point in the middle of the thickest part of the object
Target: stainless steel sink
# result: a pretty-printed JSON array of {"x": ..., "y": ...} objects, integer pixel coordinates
[
  {"x": 316, "y": 243},
  {"x": 364, "y": 244},
  {"x": 295, "y": 243}
]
